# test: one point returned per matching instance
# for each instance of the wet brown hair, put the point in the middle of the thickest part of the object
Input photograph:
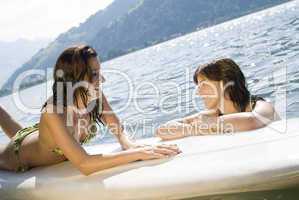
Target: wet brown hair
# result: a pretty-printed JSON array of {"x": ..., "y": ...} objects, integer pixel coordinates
[
  {"x": 228, "y": 71},
  {"x": 71, "y": 68}
]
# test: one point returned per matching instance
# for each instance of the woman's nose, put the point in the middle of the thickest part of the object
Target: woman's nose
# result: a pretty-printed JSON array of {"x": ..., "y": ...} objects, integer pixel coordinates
[
  {"x": 102, "y": 79},
  {"x": 198, "y": 91}
]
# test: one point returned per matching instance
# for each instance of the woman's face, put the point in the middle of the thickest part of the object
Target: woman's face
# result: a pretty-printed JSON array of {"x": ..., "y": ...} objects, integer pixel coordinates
[
  {"x": 97, "y": 78},
  {"x": 209, "y": 91}
]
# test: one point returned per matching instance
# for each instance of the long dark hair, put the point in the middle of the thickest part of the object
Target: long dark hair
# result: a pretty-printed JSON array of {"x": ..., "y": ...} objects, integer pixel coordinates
[
  {"x": 71, "y": 68},
  {"x": 228, "y": 71}
]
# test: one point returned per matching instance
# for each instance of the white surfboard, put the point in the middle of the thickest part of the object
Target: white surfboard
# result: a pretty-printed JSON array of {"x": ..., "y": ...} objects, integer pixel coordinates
[{"x": 259, "y": 160}]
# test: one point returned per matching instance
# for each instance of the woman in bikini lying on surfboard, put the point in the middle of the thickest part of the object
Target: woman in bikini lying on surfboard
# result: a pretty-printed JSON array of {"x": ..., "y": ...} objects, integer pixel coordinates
[
  {"x": 230, "y": 106},
  {"x": 57, "y": 136}
]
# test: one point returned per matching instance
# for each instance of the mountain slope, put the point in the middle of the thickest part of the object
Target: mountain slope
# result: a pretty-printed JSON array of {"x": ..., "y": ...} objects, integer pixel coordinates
[
  {"x": 14, "y": 54},
  {"x": 128, "y": 25},
  {"x": 156, "y": 21},
  {"x": 46, "y": 57}
]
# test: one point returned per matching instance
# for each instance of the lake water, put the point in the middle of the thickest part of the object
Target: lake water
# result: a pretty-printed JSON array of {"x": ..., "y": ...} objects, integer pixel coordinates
[{"x": 159, "y": 86}]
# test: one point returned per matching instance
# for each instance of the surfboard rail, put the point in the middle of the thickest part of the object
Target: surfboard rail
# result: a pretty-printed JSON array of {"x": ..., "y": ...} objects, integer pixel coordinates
[{"x": 264, "y": 159}]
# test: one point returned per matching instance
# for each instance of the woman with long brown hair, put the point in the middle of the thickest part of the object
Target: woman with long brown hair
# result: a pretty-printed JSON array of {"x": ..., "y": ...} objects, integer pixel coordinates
[
  {"x": 230, "y": 107},
  {"x": 69, "y": 119}
]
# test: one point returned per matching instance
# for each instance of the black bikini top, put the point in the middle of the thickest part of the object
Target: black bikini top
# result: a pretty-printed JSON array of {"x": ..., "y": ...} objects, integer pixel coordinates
[{"x": 254, "y": 99}]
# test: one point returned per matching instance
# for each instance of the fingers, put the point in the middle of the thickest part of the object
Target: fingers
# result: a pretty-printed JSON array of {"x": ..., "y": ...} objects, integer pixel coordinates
[
  {"x": 159, "y": 151},
  {"x": 157, "y": 156},
  {"x": 165, "y": 151},
  {"x": 172, "y": 147},
  {"x": 143, "y": 145}
]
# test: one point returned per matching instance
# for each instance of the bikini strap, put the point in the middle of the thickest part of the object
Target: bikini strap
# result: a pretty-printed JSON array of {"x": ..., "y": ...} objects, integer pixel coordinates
[{"x": 254, "y": 99}]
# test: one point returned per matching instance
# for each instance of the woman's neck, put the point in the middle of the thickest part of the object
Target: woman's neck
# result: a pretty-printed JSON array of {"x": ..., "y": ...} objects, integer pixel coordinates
[{"x": 228, "y": 107}]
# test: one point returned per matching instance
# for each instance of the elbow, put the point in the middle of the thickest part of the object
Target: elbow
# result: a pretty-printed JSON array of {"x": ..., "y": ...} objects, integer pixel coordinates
[
  {"x": 84, "y": 167},
  {"x": 88, "y": 165},
  {"x": 85, "y": 173},
  {"x": 257, "y": 123}
]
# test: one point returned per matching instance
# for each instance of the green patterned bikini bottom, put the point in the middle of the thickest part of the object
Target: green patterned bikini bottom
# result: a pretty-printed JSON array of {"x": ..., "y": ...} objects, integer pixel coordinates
[{"x": 20, "y": 136}]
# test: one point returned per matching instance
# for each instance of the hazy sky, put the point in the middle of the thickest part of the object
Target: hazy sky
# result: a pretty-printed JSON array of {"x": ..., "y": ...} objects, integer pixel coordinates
[{"x": 32, "y": 19}]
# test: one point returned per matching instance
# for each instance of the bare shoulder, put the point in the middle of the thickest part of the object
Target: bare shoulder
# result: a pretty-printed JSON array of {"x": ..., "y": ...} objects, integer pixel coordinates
[
  {"x": 50, "y": 112},
  {"x": 48, "y": 115},
  {"x": 50, "y": 108},
  {"x": 264, "y": 105},
  {"x": 265, "y": 109}
]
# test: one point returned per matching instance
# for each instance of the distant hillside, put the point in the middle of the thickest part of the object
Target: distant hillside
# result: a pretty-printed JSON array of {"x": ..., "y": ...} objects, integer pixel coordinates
[
  {"x": 129, "y": 25},
  {"x": 14, "y": 54}
]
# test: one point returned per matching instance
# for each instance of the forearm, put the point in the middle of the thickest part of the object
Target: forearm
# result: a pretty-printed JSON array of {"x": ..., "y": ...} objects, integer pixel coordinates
[
  {"x": 175, "y": 130},
  {"x": 193, "y": 125},
  {"x": 124, "y": 141},
  {"x": 230, "y": 123},
  {"x": 117, "y": 130},
  {"x": 95, "y": 163}
]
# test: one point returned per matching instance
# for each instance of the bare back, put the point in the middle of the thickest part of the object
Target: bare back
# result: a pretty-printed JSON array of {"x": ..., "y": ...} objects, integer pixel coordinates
[{"x": 37, "y": 148}]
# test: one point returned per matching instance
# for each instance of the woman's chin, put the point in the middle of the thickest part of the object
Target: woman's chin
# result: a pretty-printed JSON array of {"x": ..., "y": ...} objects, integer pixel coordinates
[{"x": 210, "y": 106}]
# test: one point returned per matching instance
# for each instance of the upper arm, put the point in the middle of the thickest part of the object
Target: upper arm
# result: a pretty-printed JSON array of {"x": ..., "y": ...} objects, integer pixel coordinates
[
  {"x": 264, "y": 113},
  {"x": 66, "y": 142}
]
